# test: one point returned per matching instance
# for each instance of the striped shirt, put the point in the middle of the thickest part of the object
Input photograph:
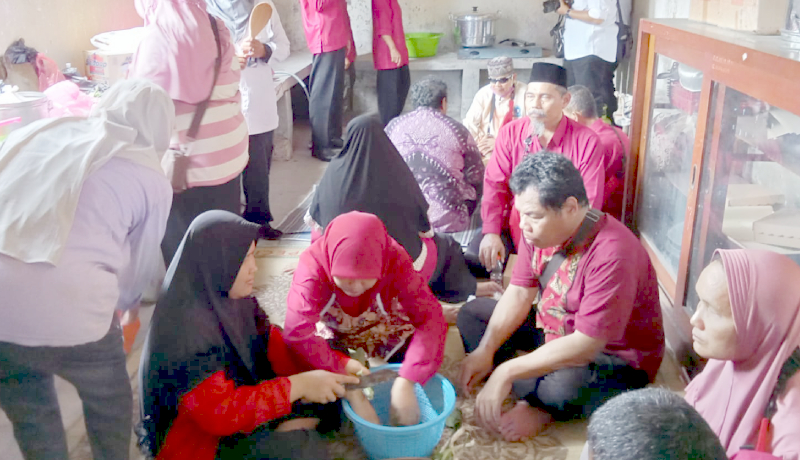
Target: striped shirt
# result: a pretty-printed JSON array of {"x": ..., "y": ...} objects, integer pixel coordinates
[{"x": 219, "y": 153}]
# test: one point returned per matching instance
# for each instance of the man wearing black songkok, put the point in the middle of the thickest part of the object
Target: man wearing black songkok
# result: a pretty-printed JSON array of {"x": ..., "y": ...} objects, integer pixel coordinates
[{"x": 544, "y": 127}]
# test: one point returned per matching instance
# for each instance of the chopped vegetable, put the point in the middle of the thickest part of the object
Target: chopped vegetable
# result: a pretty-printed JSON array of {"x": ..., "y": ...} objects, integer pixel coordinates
[
  {"x": 359, "y": 355},
  {"x": 454, "y": 420},
  {"x": 369, "y": 393}
]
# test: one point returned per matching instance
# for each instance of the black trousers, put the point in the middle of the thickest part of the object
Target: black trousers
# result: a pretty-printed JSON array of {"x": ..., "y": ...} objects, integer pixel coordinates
[
  {"x": 568, "y": 393},
  {"x": 255, "y": 179},
  {"x": 393, "y": 85},
  {"x": 265, "y": 444},
  {"x": 326, "y": 97},
  {"x": 193, "y": 202},
  {"x": 597, "y": 75},
  {"x": 451, "y": 280}
]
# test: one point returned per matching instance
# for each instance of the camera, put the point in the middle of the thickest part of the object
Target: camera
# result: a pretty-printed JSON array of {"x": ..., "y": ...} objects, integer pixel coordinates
[{"x": 552, "y": 5}]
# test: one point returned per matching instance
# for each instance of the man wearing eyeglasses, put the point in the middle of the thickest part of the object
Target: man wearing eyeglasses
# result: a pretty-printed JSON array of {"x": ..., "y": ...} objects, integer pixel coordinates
[{"x": 496, "y": 104}]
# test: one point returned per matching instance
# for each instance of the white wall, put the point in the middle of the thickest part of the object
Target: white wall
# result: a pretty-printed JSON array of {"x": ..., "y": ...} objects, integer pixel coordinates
[
  {"x": 520, "y": 19},
  {"x": 62, "y": 28}
]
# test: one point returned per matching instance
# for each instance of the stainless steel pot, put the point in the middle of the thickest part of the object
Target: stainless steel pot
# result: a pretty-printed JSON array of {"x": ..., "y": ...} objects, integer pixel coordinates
[
  {"x": 28, "y": 105},
  {"x": 474, "y": 29}
]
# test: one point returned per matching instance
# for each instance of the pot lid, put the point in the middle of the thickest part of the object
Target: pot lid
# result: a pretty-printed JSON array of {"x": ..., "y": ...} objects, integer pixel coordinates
[{"x": 474, "y": 15}]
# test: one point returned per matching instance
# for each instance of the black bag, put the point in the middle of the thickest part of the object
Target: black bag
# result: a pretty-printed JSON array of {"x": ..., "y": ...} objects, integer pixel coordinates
[
  {"x": 624, "y": 37},
  {"x": 557, "y": 32}
]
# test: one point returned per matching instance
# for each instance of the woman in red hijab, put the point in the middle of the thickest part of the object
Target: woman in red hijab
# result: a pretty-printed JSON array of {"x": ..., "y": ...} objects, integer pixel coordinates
[
  {"x": 357, "y": 287},
  {"x": 748, "y": 325}
]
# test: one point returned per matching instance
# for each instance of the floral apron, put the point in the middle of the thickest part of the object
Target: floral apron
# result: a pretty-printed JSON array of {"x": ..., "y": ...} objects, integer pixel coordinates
[{"x": 380, "y": 331}]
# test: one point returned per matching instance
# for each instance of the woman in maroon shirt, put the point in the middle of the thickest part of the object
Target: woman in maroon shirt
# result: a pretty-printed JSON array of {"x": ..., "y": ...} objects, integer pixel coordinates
[{"x": 217, "y": 379}]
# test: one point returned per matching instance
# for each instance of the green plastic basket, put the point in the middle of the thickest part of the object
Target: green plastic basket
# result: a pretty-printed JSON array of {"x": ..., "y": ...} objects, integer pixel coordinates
[{"x": 422, "y": 44}]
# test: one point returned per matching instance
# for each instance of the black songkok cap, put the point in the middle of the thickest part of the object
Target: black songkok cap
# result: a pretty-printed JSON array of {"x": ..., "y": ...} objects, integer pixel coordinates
[{"x": 543, "y": 72}]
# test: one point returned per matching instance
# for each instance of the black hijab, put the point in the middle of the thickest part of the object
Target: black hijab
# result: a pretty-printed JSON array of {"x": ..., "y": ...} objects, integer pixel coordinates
[
  {"x": 369, "y": 175},
  {"x": 196, "y": 329}
]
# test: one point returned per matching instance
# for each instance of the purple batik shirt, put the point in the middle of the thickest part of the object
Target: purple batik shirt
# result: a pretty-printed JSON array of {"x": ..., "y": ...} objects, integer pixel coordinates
[{"x": 446, "y": 163}]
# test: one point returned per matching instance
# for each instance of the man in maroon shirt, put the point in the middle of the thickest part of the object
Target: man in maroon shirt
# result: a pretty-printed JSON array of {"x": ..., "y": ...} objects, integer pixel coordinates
[
  {"x": 544, "y": 127},
  {"x": 330, "y": 39},
  {"x": 583, "y": 109},
  {"x": 596, "y": 330}
]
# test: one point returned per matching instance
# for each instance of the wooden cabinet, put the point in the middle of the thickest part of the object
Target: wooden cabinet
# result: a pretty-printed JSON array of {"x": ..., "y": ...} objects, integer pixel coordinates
[{"x": 715, "y": 154}]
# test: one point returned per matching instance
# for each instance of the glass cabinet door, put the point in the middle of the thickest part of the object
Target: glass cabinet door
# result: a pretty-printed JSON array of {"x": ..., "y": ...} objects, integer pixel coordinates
[
  {"x": 666, "y": 177},
  {"x": 749, "y": 194}
]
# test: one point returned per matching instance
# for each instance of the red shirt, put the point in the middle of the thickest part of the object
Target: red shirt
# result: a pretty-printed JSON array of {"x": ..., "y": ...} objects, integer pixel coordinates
[
  {"x": 613, "y": 295},
  {"x": 312, "y": 289},
  {"x": 327, "y": 25},
  {"x": 617, "y": 147},
  {"x": 576, "y": 142},
  {"x": 387, "y": 19},
  {"x": 217, "y": 407}
]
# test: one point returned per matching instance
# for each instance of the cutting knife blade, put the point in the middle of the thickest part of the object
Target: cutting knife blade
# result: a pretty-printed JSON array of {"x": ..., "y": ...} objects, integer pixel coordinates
[{"x": 366, "y": 381}]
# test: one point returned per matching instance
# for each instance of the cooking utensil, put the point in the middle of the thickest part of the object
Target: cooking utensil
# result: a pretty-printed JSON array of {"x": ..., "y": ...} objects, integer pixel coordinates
[
  {"x": 474, "y": 29},
  {"x": 259, "y": 19},
  {"x": 370, "y": 380}
]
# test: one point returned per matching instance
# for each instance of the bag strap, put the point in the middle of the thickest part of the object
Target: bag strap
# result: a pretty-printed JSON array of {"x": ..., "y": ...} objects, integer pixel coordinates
[
  {"x": 200, "y": 110},
  {"x": 619, "y": 15},
  {"x": 587, "y": 227}
]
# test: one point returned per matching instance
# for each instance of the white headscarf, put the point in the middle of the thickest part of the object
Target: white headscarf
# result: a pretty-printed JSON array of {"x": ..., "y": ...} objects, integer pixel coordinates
[{"x": 43, "y": 166}]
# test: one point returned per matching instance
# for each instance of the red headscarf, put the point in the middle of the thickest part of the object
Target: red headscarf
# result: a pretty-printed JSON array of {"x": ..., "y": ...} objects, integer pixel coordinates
[{"x": 764, "y": 290}]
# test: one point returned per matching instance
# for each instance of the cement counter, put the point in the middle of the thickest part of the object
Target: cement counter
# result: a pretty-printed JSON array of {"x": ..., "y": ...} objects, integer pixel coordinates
[{"x": 470, "y": 74}]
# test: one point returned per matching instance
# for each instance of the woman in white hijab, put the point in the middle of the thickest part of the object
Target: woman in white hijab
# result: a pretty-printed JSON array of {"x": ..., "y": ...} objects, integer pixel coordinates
[{"x": 83, "y": 208}]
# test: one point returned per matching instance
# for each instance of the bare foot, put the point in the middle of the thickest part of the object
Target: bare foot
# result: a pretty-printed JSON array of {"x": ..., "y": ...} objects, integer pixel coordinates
[
  {"x": 450, "y": 312},
  {"x": 488, "y": 289},
  {"x": 298, "y": 424},
  {"x": 523, "y": 422}
]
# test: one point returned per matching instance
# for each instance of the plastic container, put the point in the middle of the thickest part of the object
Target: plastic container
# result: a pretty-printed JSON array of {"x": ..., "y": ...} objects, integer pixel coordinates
[
  {"x": 437, "y": 399},
  {"x": 422, "y": 44}
]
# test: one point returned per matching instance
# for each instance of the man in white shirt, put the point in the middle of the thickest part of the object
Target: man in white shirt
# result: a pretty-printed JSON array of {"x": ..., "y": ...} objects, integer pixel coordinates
[
  {"x": 496, "y": 104},
  {"x": 590, "y": 46}
]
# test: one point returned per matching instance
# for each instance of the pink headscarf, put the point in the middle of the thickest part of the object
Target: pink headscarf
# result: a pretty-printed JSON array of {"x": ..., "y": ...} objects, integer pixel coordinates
[
  {"x": 178, "y": 51},
  {"x": 764, "y": 289},
  {"x": 355, "y": 245}
]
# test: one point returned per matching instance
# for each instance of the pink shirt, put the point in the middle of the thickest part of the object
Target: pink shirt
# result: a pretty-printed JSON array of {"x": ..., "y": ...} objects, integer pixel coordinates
[
  {"x": 614, "y": 295},
  {"x": 387, "y": 19},
  {"x": 574, "y": 141},
  {"x": 617, "y": 147},
  {"x": 326, "y": 24},
  {"x": 312, "y": 289}
]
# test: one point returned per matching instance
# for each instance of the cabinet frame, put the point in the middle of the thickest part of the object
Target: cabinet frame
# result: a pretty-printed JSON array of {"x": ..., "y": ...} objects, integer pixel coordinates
[{"x": 754, "y": 65}]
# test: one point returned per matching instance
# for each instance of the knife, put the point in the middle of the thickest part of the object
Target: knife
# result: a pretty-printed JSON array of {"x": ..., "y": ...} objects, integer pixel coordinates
[{"x": 366, "y": 381}]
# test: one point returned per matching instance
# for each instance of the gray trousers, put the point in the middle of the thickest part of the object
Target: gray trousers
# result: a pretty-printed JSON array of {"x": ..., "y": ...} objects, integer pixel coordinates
[
  {"x": 326, "y": 98},
  {"x": 393, "y": 85},
  {"x": 567, "y": 393},
  {"x": 97, "y": 369}
]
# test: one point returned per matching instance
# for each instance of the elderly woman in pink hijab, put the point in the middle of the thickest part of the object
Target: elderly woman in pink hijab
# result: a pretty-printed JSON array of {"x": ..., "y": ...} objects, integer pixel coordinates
[
  {"x": 189, "y": 53},
  {"x": 748, "y": 326}
]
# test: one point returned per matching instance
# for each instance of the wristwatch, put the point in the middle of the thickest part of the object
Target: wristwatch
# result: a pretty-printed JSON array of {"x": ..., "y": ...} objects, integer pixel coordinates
[{"x": 568, "y": 12}]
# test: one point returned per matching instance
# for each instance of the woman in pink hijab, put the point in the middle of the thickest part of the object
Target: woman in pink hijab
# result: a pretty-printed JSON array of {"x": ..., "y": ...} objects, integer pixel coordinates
[
  {"x": 748, "y": 325},
  {"x": 357, "y": 287},
  {"x": 178, "y": 52}
]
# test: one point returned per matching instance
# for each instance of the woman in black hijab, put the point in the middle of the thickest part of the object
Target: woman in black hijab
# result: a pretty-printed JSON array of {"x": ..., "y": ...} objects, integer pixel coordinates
[
  {"x": 212, "y": 366},
  {"x": 370, "y": 175}
]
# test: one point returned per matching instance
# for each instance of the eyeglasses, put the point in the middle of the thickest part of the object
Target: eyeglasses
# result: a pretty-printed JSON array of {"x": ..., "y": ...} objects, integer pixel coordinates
[{"x": 499, "y": 80}]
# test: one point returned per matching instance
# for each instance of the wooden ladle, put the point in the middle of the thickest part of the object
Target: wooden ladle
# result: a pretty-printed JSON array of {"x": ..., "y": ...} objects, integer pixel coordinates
[{"x": 259, "y": 18}]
